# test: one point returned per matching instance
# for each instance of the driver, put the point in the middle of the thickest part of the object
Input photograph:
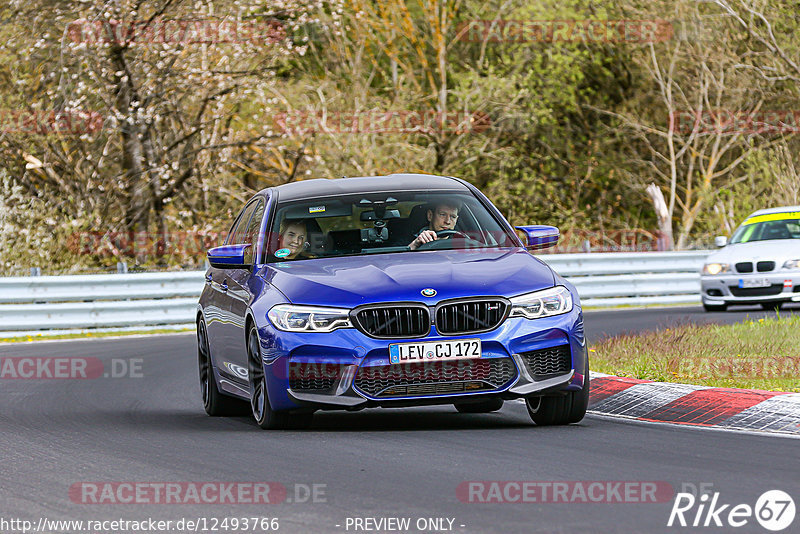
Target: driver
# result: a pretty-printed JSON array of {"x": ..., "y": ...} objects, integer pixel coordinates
[{"x": 441, "y": 216}]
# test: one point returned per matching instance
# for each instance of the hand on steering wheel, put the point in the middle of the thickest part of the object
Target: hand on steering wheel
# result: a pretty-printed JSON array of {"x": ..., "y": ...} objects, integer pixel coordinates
[
  {"x": 441, "y": 240},
  {"x": 449, "y": 233}
]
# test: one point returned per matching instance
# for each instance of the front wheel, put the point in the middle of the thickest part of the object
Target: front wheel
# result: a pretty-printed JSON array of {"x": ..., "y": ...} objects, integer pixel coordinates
[
  {"x": 561, "y": 410},
  {"x": 265, "y": 416}
]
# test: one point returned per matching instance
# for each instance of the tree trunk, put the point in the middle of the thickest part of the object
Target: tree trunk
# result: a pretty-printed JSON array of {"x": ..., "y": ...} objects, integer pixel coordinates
[{"x": 665, "y": 239}]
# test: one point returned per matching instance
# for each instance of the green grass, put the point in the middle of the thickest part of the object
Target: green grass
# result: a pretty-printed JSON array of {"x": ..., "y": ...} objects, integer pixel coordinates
[
  {"x": 755, "y": 354},
  {"x": 93, "y": 335}
]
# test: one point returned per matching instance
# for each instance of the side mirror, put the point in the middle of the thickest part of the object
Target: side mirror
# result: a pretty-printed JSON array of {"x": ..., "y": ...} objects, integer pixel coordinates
[
  {"x": 228, "y": 256},
  {"x": 540, "y": 236},
  {"x": 720, "y": 240}
]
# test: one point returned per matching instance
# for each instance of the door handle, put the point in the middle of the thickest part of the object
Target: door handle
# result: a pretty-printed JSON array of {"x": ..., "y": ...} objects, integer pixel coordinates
[{"x": 224, "y": 286}]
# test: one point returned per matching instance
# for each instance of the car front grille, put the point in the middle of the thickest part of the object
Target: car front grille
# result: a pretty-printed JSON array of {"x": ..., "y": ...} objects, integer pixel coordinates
[
  {"x": 314, "y": 377},
  {"x": 472, "y": 316},
  {"x": 394, "y": 321},
  {"x": 765, "y": 266},
  {"x": 774, "y": 289},
  {"x": 548, "y": 362},
  {"x": 435, "y": 378},
  {"x": 744, "y": 267}
]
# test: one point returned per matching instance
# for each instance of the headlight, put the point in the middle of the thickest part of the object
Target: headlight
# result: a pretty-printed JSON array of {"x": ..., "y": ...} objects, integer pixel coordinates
[
  {"x": 554, "y": 301},
  {"x": 792, "y": 264},
  {"x": 716, "y": 268},
  {"x": 293, "y": 318}
]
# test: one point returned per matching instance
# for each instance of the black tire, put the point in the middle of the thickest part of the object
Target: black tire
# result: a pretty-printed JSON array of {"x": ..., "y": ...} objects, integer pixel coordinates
[
  {"x": 265, "y": 416},
  {"x": 771, "y": 306},
  {"x": 715, "y": 307},
  {"x": 215, "y": 403},
  {"x": 563, "y": 409},
  {"x": 491, "y": 405}
]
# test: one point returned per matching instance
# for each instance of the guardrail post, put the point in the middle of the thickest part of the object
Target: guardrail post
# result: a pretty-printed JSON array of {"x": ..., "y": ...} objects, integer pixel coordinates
[
  {"x": 122, "y": 267},
  {"x": 36, "y": 271},
  {"x": 587, "y": 246}
]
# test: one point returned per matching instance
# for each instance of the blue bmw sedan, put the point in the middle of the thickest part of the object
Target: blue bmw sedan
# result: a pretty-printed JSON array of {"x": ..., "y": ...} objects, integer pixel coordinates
[{"x": 386, "y": 291}]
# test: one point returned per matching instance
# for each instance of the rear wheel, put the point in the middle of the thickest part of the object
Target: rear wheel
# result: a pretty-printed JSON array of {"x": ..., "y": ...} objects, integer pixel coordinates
[
  {"x": 214, "y": 402},
  {"x": 715, "y": 307},
  {"x": 265, "y": 416},
  {"x": 563, "y": 409},
  {"x": 771, "y": 306},
  {"x": 491, "y": 405}
]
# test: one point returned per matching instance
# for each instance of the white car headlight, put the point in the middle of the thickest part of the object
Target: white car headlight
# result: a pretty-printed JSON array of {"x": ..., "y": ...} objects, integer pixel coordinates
[
  {"x": 553, "y": 301},
  {"x": 716, "y": 268},
  {"x": 293, "y": 318},
  {"x": 792, "y": 264}
]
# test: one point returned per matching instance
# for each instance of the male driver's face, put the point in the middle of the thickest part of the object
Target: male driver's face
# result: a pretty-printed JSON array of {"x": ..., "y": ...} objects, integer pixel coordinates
[{"x": 443, "y": 218}]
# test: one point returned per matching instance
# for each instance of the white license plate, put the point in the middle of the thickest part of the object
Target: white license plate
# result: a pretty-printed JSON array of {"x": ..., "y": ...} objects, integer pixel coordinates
[
  {"x": 435, "y": 351},
  {"x": 753, "y": 282}
]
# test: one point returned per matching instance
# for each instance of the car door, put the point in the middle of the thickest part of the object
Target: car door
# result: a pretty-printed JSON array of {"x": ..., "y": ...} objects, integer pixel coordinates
[
  {"x": 215, "y": 308},
  {"x": 240, "y": 294},
  {"x": 223, "y": 334}
]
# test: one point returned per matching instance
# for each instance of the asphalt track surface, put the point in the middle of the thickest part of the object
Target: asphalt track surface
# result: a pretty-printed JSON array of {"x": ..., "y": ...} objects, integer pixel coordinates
[{"x": 373, "y": 463}]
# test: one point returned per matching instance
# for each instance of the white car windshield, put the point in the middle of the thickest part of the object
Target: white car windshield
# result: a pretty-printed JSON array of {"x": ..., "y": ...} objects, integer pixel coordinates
[{"x": 768, "y": 227}]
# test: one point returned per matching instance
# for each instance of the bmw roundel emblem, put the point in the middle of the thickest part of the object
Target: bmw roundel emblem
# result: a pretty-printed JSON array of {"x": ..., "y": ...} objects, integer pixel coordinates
[{"x": 428, "y": 292}]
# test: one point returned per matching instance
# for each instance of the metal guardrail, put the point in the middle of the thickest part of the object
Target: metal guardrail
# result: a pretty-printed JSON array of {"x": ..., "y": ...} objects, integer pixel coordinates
[
  {"x": 36, "y": 303},
  {"x": 632, "y": 278}
]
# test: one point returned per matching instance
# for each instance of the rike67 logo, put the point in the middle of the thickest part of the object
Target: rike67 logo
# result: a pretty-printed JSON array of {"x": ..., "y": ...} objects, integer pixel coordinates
[{"x": 774, "y": 510}]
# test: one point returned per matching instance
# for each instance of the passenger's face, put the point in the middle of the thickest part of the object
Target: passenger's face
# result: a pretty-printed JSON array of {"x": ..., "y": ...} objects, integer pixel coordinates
[
  {"x": 293, "y": 238},
  {"x": 443, "y": 218}
]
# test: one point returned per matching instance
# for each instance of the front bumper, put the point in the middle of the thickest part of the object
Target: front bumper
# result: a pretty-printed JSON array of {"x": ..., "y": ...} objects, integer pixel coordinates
[
  {"x": 725, "y": 288},
  {"x": 337, "y": 359}
]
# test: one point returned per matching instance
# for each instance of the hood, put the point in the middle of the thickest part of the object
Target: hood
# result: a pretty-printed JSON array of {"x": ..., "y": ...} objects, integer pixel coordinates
[
  {"x": 350, "y": 281},
  {"x": 778, "y": 250}
]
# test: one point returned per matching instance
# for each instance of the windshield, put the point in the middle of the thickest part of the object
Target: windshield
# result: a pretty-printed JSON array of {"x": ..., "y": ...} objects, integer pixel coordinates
[
  {"x": 376, "y": 223},
  {"x": 767, "y": 227}
]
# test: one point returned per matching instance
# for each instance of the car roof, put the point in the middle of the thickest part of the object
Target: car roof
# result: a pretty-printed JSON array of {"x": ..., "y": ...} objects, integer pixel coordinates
[
  {"x": 323, "y": 187},
  {"x": 766, "y": 211}
]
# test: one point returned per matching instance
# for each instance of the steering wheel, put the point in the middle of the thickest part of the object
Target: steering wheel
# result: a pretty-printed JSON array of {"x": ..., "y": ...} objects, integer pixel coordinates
[
  {"x": 440, "y": 243},
  {"x": 453, "y": 233}
]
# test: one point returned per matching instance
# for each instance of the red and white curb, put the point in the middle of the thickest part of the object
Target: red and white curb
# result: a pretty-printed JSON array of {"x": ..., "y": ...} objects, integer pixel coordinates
[{"x": 685, "y": 404}]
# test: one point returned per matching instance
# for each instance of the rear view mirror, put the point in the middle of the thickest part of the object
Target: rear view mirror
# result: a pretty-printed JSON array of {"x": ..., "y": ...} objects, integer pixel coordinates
[
  {"x": 720, "y": 240},
  {"x": 540, "y": 236},
  {"x": 228, "y": 256},
  {"x": 371, "y": 216}
]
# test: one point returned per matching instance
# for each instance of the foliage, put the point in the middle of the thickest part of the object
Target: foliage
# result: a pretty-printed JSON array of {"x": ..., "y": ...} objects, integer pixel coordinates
[{"x": 567, "y": 132}]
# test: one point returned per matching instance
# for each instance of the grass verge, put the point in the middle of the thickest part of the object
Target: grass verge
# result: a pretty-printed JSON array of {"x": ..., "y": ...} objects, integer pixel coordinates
[
  {"x": 755, "y": 354},
  {"x": 93, "y": 335}
]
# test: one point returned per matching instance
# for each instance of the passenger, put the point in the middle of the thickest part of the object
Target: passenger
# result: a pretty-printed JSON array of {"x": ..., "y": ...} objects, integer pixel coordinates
[{"x": 292, "y": 240}]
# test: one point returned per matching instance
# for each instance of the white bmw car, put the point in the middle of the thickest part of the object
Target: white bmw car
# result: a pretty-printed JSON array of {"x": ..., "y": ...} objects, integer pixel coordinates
[{"x": 760, "y": 264}]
